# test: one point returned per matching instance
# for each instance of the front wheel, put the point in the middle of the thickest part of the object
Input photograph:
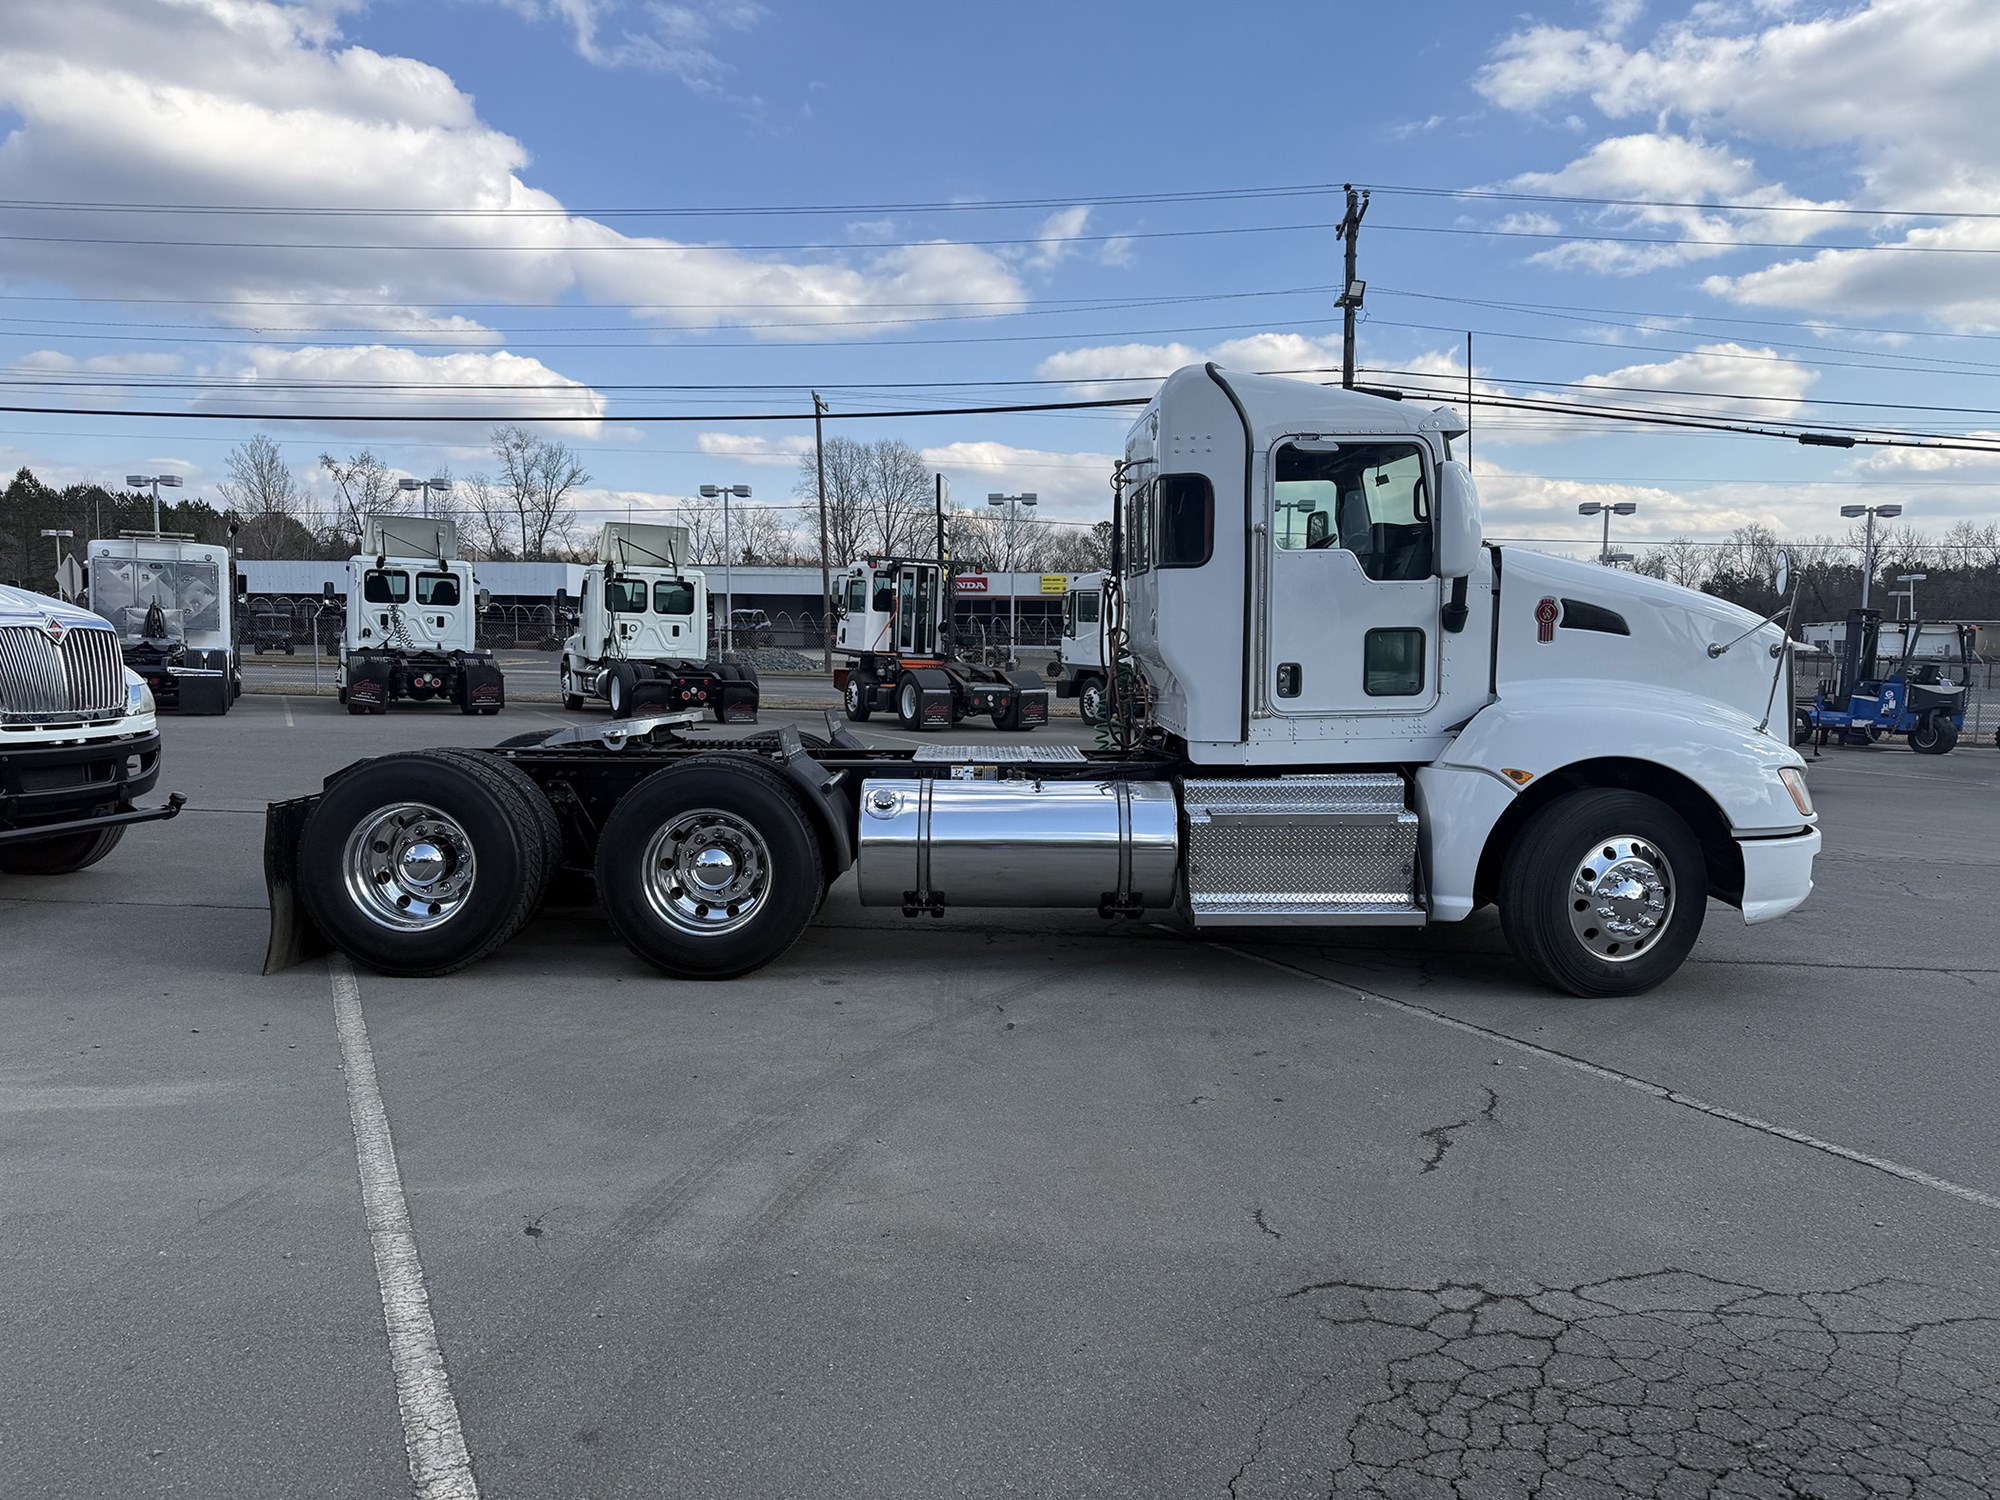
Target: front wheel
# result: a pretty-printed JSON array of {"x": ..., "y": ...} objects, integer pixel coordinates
[
  {"x": 63, "y": 854},
  {"x": 909, "y": 702},
  {"x": 572, "y": 700},
  {"x": 1603, "y": 893},
  {"x": 857, "y": 701},
  {"x": 708, "y": 869},
  {"x": 1090, "y": 701}
]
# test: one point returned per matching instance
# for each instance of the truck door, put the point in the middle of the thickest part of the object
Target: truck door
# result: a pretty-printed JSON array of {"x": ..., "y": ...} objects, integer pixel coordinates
[{"x": 1352, "y": 602}]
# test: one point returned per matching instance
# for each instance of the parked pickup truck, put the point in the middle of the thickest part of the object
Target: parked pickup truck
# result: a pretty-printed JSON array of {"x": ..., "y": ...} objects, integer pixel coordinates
[{"x": 78, "y": 742}]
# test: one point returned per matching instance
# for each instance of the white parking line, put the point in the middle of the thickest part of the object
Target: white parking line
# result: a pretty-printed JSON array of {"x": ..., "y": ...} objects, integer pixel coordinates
[
  {"x": 440, "y": 1467},
  {"x": 288, "y": 713},
  {"x": 1644, "y": 1086}
]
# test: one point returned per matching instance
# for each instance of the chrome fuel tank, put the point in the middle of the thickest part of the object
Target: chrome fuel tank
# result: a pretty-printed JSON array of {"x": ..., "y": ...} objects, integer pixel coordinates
[{"x": 934, "y": 843}]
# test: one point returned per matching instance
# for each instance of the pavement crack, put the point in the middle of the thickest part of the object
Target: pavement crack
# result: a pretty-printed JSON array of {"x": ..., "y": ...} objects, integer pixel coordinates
[
  {"x": 1263, "y": 1224},
  {"x": 1440, "y": 1136}
]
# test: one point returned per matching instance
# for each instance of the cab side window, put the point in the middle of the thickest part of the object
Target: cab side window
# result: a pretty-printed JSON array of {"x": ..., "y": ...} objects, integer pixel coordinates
[
  {"x": 1367, "y": 498},
  {"x": 857, "y": 596},
  {"x": 1185, "y": 536},
  {"x": 1086, "y": 606},
  {"x": 385, "y": 586},
  {"x": 673, "y": 597},
  {"x": 625, "y": 596}
]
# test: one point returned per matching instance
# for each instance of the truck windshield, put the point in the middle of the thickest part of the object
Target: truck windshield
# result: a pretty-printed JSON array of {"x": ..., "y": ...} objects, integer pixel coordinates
[
  {"x": 440, "y": 589},
  {"x": 188, "y": 592},
  {"x": 625, "y": 596},
  {"x": 385, "y": 586},
  {"x": 1364, "y": 498},
  {"x": 673, "y": 597}
]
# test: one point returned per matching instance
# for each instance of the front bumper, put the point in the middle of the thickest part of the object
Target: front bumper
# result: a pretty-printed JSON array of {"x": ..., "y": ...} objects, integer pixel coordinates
[
  {"x": 65, "y": 787},
  {"x": 1777, "y": 874}
]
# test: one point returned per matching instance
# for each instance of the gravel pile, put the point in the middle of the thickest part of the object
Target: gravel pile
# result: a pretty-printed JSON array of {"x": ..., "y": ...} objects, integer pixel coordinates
[{"x": 776, "y": 659}]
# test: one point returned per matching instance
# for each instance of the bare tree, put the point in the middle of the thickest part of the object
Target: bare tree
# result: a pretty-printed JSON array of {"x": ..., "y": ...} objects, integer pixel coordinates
[
  {"x": 880, "y": 498},
  {"x": 536, "y": 477},
  {"x": 265, "y": 495},
  {"x": 363, "y": 486},
  {"x": 485, "y": 519},
  {"x": 1679, "y": 560}
]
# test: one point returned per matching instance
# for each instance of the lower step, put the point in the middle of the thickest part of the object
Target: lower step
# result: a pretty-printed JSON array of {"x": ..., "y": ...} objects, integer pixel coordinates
[{"x": 1227, "y": 911}]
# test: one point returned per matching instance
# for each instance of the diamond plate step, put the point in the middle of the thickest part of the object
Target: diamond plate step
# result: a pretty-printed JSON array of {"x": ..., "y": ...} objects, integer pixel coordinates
[
  {"x": 1002, "y": 755},
  {"x": 1324, "y": 850}
]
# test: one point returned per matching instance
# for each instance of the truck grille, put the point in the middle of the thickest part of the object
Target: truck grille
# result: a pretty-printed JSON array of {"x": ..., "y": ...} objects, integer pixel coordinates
[{"x": 84, "y": 676}]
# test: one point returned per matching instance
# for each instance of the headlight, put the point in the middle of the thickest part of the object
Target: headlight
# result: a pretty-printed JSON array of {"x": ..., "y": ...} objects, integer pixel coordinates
[
  {"x": 138, "y": 697},
  {"x": 1795, "y": 783}
]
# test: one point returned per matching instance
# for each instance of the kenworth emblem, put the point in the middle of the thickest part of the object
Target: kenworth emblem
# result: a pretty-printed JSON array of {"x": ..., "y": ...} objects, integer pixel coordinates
[{"x": 1545, "y": 620}]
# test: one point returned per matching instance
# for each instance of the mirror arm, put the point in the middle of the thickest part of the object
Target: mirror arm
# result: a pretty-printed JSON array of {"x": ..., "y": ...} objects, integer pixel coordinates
[{"x": 1456, "y": 611}]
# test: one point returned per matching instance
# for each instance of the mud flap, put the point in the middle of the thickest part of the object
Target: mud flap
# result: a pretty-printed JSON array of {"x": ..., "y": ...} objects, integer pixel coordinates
[
  {"x": 1032, "y": 696},
  {"x": 739, "y": 703},
  {"x": 934, "y": 698},
  {"x": 481, "y": 688},
  {"x": 367, "y": 681},
  {"x": 201, "y": 692},
  {"x": 294, "y": 937}
]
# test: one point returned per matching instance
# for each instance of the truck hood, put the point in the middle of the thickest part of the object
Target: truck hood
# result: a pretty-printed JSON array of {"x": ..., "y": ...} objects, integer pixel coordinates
[
  {"x": 1623, "y": 627},
  {"x": 19, "y": 607}
]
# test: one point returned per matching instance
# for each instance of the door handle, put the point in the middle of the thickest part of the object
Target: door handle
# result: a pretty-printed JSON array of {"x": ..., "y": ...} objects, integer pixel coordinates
[{"x": 1288, "y": 679}]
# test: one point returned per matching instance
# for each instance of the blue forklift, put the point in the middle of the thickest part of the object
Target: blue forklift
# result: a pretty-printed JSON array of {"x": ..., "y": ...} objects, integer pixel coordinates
[{"x": 1917, "y": 697}]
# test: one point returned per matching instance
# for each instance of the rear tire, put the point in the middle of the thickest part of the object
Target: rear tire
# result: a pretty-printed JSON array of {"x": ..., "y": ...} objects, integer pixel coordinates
[
  {"x": 1935, "y": 736},
  {"x": 64, "y": 854},
  {"x": 618, "y": 689},
  {"x": 1090, "y": 700},
  {"x": 909, "y": 702},
  {"x": 857, "y": 699},
  {"x": 709, "y": 869},
  {"x": 423, "y": 862},
  {"x": 1559, "y": 859}
]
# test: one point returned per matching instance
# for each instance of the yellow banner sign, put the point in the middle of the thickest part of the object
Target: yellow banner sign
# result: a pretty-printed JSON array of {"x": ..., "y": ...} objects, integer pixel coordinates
[{"x": 1055, "y": 583}]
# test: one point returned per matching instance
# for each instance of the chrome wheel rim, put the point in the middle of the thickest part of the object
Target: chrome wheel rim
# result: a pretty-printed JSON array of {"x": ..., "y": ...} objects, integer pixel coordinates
[
  {"x": 1092, "y": 701},
  {"x": 853, "y": 694},
  {"x": 707, "y": 872},
  {"x": 1621, "y": 897},
  {"x": 409, "y": 867},
  {"x": 910, "y": 701}
]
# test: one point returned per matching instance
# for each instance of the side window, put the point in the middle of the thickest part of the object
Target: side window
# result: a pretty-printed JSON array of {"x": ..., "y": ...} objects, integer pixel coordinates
[
  {"x": 1139, "y": 529},
  {"x": 1392, "y": 663},
  {"x": 885, "y": 595},
  {"x": 673, "y": 596},
  {"x": 625, "y": 596},
  {"x": 385, "y": 586},
  {"x": 1368, "y": 498},
  {"x": 440, "y": 589},
  {"x": 1186, "y": 535},
  {"x": 1086, "y": 606},
  {"x": 857, "y": 596}
]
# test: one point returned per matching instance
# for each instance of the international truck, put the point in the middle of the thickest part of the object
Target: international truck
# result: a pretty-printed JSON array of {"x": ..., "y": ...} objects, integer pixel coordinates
[
  {"x": 894, "y": 638},
  {"x": 642, "y": 637},
  {"x": 79, "y": 741},
  {"x": 411, "y": 628},
  {"x": 172, "y": 601},
  {"x": 1358, "y": 712}
]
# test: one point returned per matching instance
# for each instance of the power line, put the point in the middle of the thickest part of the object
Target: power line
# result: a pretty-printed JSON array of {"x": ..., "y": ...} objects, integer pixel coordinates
[{"x": 1843, "y": 210}]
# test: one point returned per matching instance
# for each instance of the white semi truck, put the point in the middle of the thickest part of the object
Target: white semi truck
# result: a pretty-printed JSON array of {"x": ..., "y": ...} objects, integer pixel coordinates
[
  {"x": 412, "y": 622},
  {"x": 79, "y": 744},
  {"x": 1359, "y": 713},
  {"x": 1083, "y": 666},
  {"x": 642, "y": 637},
  {"x": 172, "y": 601}
]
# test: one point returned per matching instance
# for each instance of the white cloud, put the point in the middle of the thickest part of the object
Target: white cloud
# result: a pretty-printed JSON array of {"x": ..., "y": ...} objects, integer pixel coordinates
[
  {"x": 1952, "y": 289},
  {"x": 264, "y": 104},
  {"x": 1067, "y": 486},
  {"x": 755, "y": 448},
  {"x": 506, "y": 385},
  {"x": 1094, "y": 369},
  {"x": 1752, "y": 383},
  {"x": 1055, "y": 240},
  {"x": 55, "y": 362},
  {"x": 659, "y": 37}
]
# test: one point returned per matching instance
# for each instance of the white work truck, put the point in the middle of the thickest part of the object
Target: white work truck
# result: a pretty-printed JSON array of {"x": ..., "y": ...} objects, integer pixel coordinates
[
  {"x": 79, "y": 744},
  {"x": 1083, "y": 665},
  {"x": 172, "y": 601},
  {"x": 1356, "y": 712},
  {"x": 411, "y": 626},
  {"x": 642, "y": 638}
]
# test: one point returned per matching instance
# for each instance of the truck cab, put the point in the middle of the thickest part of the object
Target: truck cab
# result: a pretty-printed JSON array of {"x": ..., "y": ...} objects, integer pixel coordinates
[
  {"x": 172, "y": 601},
  {"x": 642, "y": 637},
  {"x": 411, "y": 626},
  {"x": 79, "y": 743},
  {"x": 1082, "y": 665}
]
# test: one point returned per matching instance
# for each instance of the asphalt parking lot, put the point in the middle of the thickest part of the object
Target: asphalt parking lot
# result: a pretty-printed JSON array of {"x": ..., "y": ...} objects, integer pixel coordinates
[{"x": 1007, "y": 1203}]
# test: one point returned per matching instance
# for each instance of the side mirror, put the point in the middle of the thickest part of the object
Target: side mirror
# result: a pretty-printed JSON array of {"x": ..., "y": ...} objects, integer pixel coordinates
[
  {"x": 1784, "y": 571},
  {"x": 562, "y": 598},
  {"x": 485, "y": 597},
  {"x": 1458, "y": 530},
  {"x": 1317, "y": 527},
  {"x": 242, "y": 586},
  {"x": 326, "y": 592}
]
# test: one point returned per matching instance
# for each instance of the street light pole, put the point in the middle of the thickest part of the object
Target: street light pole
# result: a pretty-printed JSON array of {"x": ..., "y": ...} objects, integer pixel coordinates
[
  {"x": 741, "y": 492},
  {"x": 1608, "y": 509},
  {"x": 140, "y": 481},
  {"x": 1910, "y": 593},
  {"x": 825, "y": 564},
  {"x": 1013, "y": 504},
  {"x": 427, "y": 488},
  {"x": 1886, "y": 512}
]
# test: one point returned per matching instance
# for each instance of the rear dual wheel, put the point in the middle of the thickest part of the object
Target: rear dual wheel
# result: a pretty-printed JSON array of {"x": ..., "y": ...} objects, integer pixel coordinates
[
  {"x": 423, "y": 862},
  {"x": 709, "y": 869}
]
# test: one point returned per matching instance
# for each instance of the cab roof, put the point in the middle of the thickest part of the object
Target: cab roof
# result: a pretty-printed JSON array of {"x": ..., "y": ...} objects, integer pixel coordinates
[{"x": 1277, "y": 405}]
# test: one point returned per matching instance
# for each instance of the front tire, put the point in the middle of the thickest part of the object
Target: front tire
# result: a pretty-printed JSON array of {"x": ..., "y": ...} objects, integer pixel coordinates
[
  {"x": 64, "y": 854},
  {"x": 1603, "y": 893},
  {"x": 857, "y": 700},
  {"x": 708, "y": 869},
  {"x": 423, "y": 862},
  {"x": 1090, "y": 701},
  {"x": 1935, "y": 736},
  {"x": 909, "y": 702},
  {"x": 572, "y": 700}
]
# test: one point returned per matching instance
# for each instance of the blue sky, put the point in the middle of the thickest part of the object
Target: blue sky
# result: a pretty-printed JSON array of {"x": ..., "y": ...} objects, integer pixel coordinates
[{"x": 560, "y": 112}]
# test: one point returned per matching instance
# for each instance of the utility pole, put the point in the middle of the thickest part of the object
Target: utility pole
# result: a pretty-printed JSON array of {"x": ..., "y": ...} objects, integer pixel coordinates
[
  {"x": 825, "y": 566},
  {"x": 1351, "y": 289}
]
